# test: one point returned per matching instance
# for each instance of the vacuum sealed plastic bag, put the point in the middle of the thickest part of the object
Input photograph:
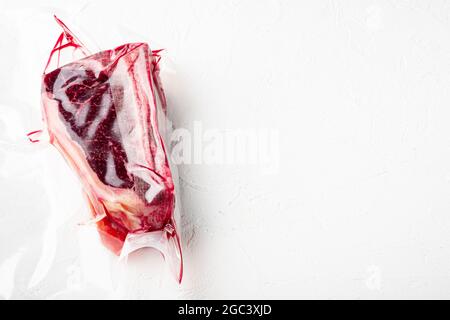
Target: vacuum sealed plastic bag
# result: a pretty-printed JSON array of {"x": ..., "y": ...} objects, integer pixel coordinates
[{"x": 106, "y": 114}]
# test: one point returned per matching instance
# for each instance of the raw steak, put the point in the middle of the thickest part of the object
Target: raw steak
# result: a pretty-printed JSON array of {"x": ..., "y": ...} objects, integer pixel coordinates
[{"x": 101, "y": 113}]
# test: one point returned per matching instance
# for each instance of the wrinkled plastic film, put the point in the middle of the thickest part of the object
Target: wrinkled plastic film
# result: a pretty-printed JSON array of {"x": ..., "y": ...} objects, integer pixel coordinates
[{"x": 106, "y": 114}]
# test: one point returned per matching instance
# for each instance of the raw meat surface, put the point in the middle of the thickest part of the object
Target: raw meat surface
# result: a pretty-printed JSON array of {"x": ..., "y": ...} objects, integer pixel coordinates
[{"x": 101, "y": 114}]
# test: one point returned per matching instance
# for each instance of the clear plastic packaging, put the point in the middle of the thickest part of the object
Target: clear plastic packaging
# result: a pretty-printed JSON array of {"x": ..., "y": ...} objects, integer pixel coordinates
[{"x": 106, "y": 115}]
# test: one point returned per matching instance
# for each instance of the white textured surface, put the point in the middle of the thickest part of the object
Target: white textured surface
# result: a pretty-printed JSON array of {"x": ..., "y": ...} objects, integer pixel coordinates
[{"x": 359, "y": 93}]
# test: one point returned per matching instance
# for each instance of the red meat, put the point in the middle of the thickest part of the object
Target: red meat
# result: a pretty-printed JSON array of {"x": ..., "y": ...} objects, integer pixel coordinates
[{"x": 101, "y": 114}]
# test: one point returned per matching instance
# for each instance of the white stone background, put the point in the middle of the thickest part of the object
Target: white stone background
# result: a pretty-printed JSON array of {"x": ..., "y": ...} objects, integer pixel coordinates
[{"x": 359, "y": 206}]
